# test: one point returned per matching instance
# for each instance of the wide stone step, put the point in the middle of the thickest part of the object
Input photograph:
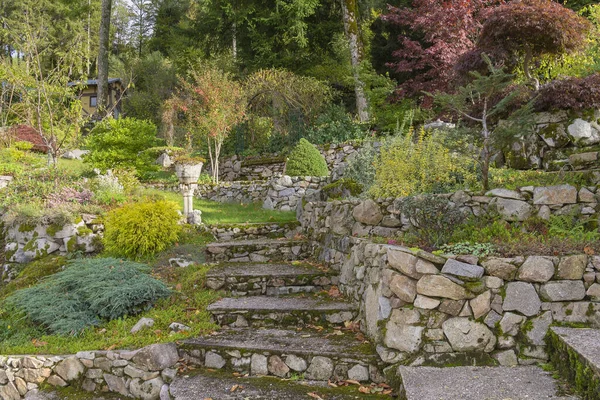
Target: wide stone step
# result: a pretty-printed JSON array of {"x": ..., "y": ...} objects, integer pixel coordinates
[
  {"x": 261, "y": 311},
  {"x": 273, "y": 279},
  {"x": 477, "y": 383},
  {"x": 285, "y": 353},
  {"x": 575, "y": 353},
  {"x": 222, "y": 386},
  {"x": 259, "y": 250}
]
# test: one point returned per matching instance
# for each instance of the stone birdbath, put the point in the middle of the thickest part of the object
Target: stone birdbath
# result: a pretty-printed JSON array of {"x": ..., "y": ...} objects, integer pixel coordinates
[{"x": 188, "y": 171}]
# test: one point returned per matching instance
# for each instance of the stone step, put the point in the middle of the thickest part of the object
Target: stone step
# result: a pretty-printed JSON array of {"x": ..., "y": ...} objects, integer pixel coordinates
[
  {"x": 274, "y": 279},
  {"x": 252, "y": 231},
  {"x": 285, "y": 354},
  {"x": 222, "y": 386},
  {"x": 261, "y": 311},
  {"x": 259, "y": 250},
  {"x": 575, "y": 353},
  {"x": 477, "y": 383}
]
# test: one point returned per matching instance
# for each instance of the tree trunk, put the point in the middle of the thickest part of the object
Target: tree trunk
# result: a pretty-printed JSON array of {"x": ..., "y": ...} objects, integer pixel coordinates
[
  {"x": 349, "y": 10},
  {"x": 102, "y": 99}
]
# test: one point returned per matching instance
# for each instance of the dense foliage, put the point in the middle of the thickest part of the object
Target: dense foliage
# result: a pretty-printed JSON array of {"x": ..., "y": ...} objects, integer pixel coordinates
[
  {"x": 118, "y": 143},
  {"x": 141, "y": 229},
  {"x": 407, "y": 167},
  {"x": 306, "y": 160},
  {"x": 88, "y": 292},
  {"x": 570, "y": 94}
]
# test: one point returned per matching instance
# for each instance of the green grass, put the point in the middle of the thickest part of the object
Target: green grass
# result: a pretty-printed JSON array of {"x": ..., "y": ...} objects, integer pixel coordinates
[
  {"x": 512, "y": 179},
  {"x": 227, "y": 213}
]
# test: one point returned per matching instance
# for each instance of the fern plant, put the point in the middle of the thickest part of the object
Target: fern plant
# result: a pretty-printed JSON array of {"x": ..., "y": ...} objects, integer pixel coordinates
[{"x": 570, "y": 227}]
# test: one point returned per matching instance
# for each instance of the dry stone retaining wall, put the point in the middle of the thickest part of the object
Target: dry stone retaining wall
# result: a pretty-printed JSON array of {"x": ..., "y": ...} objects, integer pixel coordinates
[
  {"x": 384, "y": 217},
  {"x": 141, "y": 374},
  {"x": 420, "y": 308},
  {"x": 235, "y": 168},
  {"x": 225, "y": 233},
  {"x": 25, "y": 243},
  {"x": 561, "y": 140}
]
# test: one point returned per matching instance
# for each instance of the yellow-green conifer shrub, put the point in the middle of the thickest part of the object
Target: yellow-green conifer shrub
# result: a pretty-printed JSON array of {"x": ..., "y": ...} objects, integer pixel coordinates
[
  {"x": 306, "y": 160},
  {"x": 141, "y": 229},
  {"x": 407, "y": 167}
]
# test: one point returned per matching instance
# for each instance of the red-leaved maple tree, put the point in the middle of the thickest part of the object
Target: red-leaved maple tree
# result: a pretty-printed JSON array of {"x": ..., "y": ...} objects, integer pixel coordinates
[{"x": 441, "y": 31}]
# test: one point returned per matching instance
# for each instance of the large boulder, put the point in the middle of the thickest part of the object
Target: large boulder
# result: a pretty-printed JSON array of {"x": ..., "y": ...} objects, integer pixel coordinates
[
  {"x": 467, "y": 335},
  {"x": 563, "y": 291},
  {"x": 555, "y": 195},
  {"x": 157, "y": 357},
  {"x": 69, "y": 369},
  {"x": 368, "y": 213},
  {"x": 522, "y": 297},
  {"x": 440, "y": 286},
  {"x": 536, "y": 269},
  {"x": 513, "y": 210}
]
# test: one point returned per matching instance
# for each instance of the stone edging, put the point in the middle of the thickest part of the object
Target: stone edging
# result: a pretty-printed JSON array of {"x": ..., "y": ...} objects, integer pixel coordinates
[{"x": 141, "y": 374}]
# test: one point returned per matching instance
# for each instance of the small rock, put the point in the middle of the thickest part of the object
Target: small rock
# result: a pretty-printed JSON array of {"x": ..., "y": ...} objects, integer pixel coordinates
[
  {"x": 296, "y": 363},
  {"x": 440, "y": 286},
  {"x": 511, "y": 323},
  {"x": 277, "y": 367},
  {"x": 426, "y": 302},
  {"x": 358, "y": 373},
  {"x": 571, "y": 267},
  {"x": 69, "y": 369},
  {"x": 258, "y": 364},
  {"x": 177, "y": 327},
  {"x": 536, "y": 269},
  {"x": 141, "y": 324},
  {"x": 466, "y": 335},
  {"x": 320, "y": 369},
  {"x": 506, "y": 358},
  {"x": 157, "y": 357},
  {"x": 214, "y": 360}
]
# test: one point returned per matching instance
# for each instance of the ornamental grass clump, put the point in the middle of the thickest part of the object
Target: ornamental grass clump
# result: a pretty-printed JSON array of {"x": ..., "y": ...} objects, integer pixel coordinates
[
  {"x": 306, "y": 160},
  {"x": 89, "y": 292},
  {"x": 141, "y": 229}
]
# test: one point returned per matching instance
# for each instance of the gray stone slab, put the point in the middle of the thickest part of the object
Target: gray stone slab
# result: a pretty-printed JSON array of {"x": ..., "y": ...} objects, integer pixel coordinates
[
  {"x": 266, "y": 303},
  {"x": 254, "y": 242},
  {"x": 462, "y": 270},
  {"x": 270, "y": 269},
  {"x": 212, "y": 386},
  {"x": 479, "y": 383},
  {"x": 585, "y": 341},
  {"x": 279, "y": 341}
]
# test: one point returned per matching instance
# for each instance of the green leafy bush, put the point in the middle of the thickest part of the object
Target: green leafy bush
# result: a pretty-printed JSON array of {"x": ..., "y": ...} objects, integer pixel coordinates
[
  {"x": 141, "y": 229},
  {"x": 341, "y": 189},
  {"x": 120, "y": 143},
  {"x": 434, "y": 218},
  {"x": 306, "y": 160},
  {"x": 88, "y": 292},
  {"x": 335, "y": 126}
]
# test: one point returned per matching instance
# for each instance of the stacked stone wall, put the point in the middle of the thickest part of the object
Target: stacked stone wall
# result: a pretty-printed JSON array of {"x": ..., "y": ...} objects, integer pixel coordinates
[
  {"x": 225, "y": 233},
  {"x": 384, "y": 217},
  {"x": 235, "y": 168},
  {"x": 27, "y": 242},
  {"x": 140, "y": 374},
  {"x": 425, "y": 309}
]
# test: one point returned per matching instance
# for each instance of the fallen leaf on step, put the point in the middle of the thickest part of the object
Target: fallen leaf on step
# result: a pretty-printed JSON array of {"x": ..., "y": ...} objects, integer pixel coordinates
[
  {"x": 315, "y": 396},
  {"x": 332, "y": 384},
  {"x": 352, "y": 382},
  {"x": 334, "y": 292},
  {"x": 38, "y": 343},
  {"x": 364, "y": 389}
]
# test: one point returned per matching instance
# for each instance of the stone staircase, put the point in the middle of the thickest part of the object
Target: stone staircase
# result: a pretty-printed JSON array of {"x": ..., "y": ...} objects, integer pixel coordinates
[{"x": 279, "y": 320}]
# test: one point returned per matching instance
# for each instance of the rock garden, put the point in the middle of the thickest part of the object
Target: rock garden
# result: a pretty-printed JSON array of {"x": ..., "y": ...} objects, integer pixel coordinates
[{"x": 300, "y": 201}]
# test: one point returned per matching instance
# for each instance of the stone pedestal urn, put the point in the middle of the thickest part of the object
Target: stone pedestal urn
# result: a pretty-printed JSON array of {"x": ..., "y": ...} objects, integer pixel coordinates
[{"x": 188, "y": 174}]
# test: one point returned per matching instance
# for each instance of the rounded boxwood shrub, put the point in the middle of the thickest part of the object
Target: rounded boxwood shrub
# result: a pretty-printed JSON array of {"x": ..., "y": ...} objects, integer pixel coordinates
[
  {"x": 141, "y": 229},
  {"x": 306, "y": 160}
]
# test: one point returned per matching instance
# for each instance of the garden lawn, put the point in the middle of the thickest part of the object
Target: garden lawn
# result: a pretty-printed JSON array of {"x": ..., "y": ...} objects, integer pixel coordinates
[{"x": 228, "y": 213}]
